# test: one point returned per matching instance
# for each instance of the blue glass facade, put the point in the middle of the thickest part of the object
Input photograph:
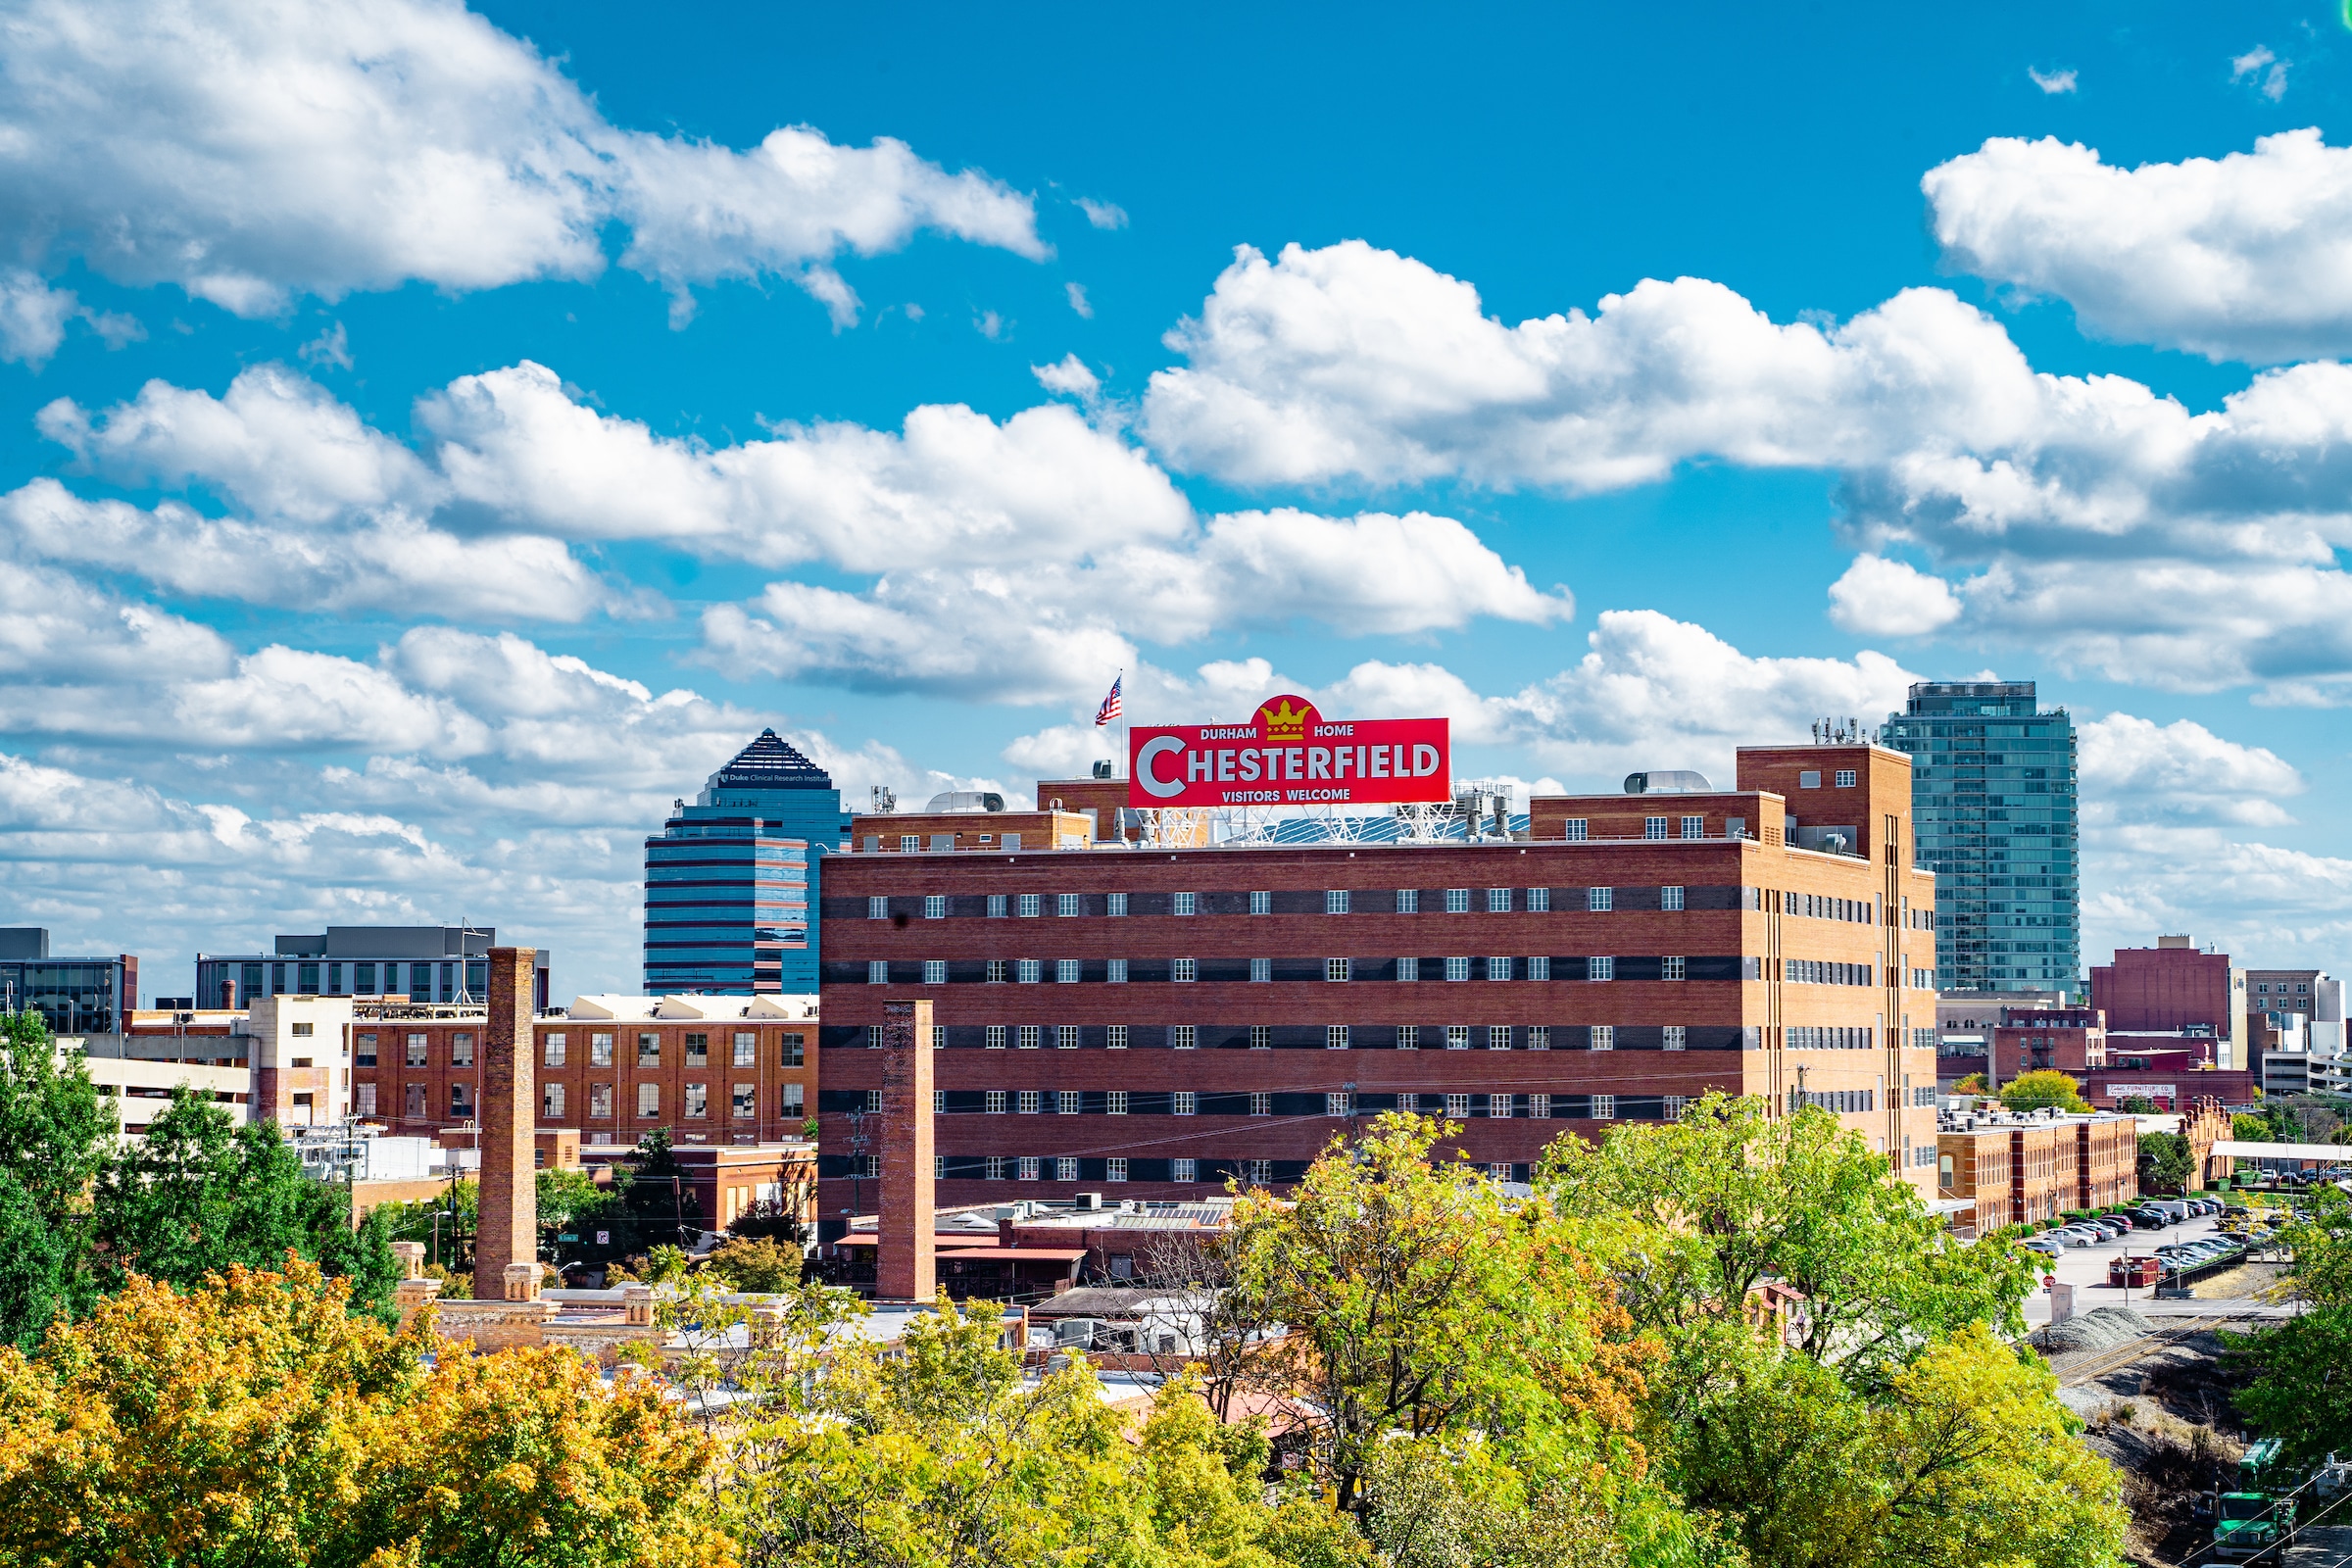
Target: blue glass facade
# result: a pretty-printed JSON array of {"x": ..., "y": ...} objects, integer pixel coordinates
[
  {"x": 1994, "y": 812},
  {"x": 729, "y": 883}
]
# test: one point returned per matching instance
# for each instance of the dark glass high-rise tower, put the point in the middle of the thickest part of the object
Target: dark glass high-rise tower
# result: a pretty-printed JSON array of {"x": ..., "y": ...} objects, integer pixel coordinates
[
  {"x": 729, "y": 883},
  {"x": 1994, "y": 813}
]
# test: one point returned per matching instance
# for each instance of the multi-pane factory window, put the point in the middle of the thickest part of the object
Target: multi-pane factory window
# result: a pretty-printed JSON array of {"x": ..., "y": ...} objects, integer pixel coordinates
[
  {"x": 1028, "y": 1039},
  {"x": 1458, "y": 901},
  {"x": 1335, "y": 969},
  {"x": 1066, "y": 904},
  {"x": 1335, "y": 1036},
  {"x": 1498, "y": 968},
  {"x": 1604, "y": 1107},
  {"x": 1575, "y": 830},
  {"x": 1407, "y": 968},
  {"x": 1029, "y": 906},
  {"x": 1335, "y": 901},
  {"x": 1457, "y": 1036},
  {"x": 1670, "y": 897},
  {"x": 1674, "y": 1034},
  {"x": 1262, "y": 1105},
  {"x": 1114, "y": 1037},
  {"x": 1498, "y": 1037},
  {"x": 1261, "y": 970},
  {"x": 1181, "y": 969},
  {"x": 1409, "y": 901},
  {"x": 1539, "y": 1037},
  {"x": 1598, "y": 899},
  {"x": 1604, "y": 1037},
  {"x": 1262, "y": 1036},
  {"x": 1408, "y": 1037},
  {"x": 1694, "y": 827},
  {"x": 935, "y": 971},
  {"x": 1539, "y": 901},
  {"x": 1262, "y": 903}
]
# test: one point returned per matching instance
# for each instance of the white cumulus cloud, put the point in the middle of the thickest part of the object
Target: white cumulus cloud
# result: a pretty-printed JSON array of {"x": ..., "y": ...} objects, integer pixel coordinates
[
  {"x": 1882, "y": 598},
  {"x": 252, "y": 152},
  {"x": 2244, "y": 257}
]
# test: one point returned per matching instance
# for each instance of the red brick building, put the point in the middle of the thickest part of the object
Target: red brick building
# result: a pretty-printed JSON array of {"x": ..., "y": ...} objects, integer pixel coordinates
[
  {"x": 713, "y": 1069},
  {"x": 2175, "y": 988},
  {"x": 1169, "y": 1018},
  {"x": 2068, "y": 1040}
]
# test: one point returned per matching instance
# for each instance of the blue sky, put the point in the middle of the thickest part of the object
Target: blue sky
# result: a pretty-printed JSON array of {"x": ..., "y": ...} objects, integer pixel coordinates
[{"x": 431, "y": 440}]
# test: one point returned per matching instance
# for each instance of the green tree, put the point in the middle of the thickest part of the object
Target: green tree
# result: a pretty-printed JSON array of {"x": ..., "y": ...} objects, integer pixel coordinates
[
  {"x": 2043, "y": 1088},
  {"x": 756, "y": 1265},
  {"x": 1419, "y": 1300},
  {"x": 2300, "y": 1388},
  {"x": 57, "y": 1133},
  {"x": 2163, "y": 1162},
  {"x": 257, "y": 1419},
  {"x": 2136, "y": 1106},
  {"x": 2253, "y": 1128},
  {"x": 1730, "y": 1199},
  {"x": 653, "y": 1191},
  {"x": 444, "y": 1224},
  {"x": 936, "y": 1453},
  {"x": 200, "y": 1194}
]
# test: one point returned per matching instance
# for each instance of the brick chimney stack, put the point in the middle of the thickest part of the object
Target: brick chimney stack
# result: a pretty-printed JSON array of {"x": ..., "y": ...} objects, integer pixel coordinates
[
  {"x": 509, "y": 1228},
  {"x": 905, "y": 1269}
]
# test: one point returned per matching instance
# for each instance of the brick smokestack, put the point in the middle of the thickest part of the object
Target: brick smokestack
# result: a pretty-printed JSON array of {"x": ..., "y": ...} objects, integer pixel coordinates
[
  {"x": 508, "y": 1231},
  {"x": 904, "y": 1246}
]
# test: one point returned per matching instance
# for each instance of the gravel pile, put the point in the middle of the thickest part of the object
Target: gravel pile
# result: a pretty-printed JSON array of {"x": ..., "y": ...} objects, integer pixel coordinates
[{"x": 2099, "y": 1329}]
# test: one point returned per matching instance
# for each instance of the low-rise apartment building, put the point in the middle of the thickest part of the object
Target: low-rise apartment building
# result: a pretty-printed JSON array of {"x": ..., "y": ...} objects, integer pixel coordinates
[
  {"x": 2030, "y": 1169},
  {"x": 716, "y": 1069}
]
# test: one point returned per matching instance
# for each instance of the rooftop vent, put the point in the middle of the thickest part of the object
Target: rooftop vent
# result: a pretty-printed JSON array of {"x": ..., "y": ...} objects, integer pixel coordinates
[
  {"x": 966, "y": 801},
  {"x": 1673, "y": 781}
]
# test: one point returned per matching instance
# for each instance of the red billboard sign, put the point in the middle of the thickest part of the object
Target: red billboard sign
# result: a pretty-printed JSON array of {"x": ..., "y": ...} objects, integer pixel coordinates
[{"x": 1289, "y": 755}]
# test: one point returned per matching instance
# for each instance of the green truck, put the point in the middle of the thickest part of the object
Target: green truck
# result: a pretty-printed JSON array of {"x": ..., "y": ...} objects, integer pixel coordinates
[{"x": 2247, "y": 1524}]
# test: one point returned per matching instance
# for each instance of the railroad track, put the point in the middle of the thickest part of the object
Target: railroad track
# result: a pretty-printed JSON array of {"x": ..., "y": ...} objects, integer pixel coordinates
[{"x": 2146, "y": 1344}]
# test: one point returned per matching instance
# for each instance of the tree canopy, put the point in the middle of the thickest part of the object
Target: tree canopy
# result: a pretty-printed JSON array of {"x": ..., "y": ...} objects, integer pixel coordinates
[{"x": 2044, "y": 1087}]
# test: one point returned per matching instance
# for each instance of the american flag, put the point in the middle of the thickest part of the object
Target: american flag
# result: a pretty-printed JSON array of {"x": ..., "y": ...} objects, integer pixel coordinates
[{"x": 1110, "y": 709}]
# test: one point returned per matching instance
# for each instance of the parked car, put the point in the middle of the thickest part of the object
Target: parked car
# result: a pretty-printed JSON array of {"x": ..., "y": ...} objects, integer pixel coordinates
[{"x": 2046, "y": 1246}]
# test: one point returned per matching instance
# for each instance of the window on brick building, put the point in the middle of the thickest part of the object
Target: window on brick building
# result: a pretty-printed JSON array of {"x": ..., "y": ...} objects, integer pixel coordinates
[
  {"x": 1539, "y": 1108},
  {"x": 996, "y": 905},
  {"x": 1539, "y": 901},
  {"x": 1673, "y": 968},
  {"x": 1028, "y": 1168},
  {"x": 1599, "y": 900},
  {"x": 1115, "y": 903},
  {"x": 1674, "y": 1037},
  {"x": 1066, "y": 1037},
  {"x": 793, "y": 1099},
  {"x": 362, "y": 1052},
  {"x": 1458, "y": 901},
  {"x": 600, "y": 1101},
  {"x": 1114, "y": 1037},
  {"x": 1068, "y": 1101},
  {"x": 698, "y": 1101},
  {"x": 461, "y": 1100},
  {"x": 1182, "y": 1036},
  {"x": 1115, "y": 971},
  {"x": 416, "y": 1100},
  {"x": 363, "y": 1099},
  {"x": 1498, "y": 1037},
  {"x": 1457, "y": 1036},
  {"x": 649, "y": 1050},
  {"x": 1027, "y": 1038},
  {"x": 1335, "y": 901},
  {"x": 550, "y": 1102},
  {"x": 649, "y": 1100},
  {"x": 1335, "y": 1036},
  {"x": 1262, "y": 1105},
  {"x": 416, "y": 1050},
  {"x": 790, "y": 1050},
  {"x": 1539, "y": 1037},
  {"x": 1183, "y": 903},
  {"x": 1027, "y": 971},
  {"x": 935, "y": 906},
  {"x": 1184, "y": 1170},
  {"x": 1032, "y": 1101},
  {"x": 1067, "y": 905},
  {"x": 1262, "y": 1036},
  {"x": 1335, "y": 969},
  {"x": 992, "y": 1102},
  {"x": 1603, "y": 1037},
  {"x": 1182, "y": 1102},
  {"x": 600, "y": 1050},
  {"x": 1261, "y": 970},
  {"x": 1694, "y": 827},
  {"x": 1114, "y": 1103},
  {"x": 1409, "y": 901},
  {"x": 1029, "y": 906},
  {"x": 461, "y": 1048},
  {"x": 1575, "y": 830},
  {"x": 1408, "y": 970},
  {"x": 935, "y": 971},
  {"x": 744, "y": 1102},
  {"x": 1458, "y": 1107},
  {"x": 1408, "y": 1037},
  {"x": 1457, "y": 968},
  {"x": 1604, "y": 1107},
  {"x": 1600, "y": 968},
  {"x": 698, "y": 1050},
  {"x": 1498, "y": 968},
  {"x": 1181, "y": 969}
]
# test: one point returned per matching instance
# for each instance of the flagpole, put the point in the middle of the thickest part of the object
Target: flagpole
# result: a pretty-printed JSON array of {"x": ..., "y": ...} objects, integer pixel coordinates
[{"x": 1122, "y": 685}]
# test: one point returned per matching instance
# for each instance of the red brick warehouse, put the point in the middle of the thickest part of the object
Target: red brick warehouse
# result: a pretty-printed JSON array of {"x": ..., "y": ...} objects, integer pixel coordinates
[{"x": 1167, "y": 1019}]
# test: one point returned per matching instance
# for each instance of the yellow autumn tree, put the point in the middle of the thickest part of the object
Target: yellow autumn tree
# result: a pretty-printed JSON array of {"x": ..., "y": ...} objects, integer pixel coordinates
[{"x": 256, "y": 1420}]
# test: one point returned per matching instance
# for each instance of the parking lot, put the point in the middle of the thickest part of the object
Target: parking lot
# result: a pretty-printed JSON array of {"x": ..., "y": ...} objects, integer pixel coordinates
[{"x": 2086, "y": 1268}]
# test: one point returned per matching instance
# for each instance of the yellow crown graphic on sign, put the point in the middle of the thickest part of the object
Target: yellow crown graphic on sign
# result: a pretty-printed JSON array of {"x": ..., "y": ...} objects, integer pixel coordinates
[{"x": 1285, "y": 722}]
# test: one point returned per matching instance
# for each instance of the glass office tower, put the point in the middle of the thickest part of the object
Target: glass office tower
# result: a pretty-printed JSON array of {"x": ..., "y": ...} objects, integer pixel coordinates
[
  {"x": 729, "y": 882},
  {"x": 1993, "y": 808}
]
